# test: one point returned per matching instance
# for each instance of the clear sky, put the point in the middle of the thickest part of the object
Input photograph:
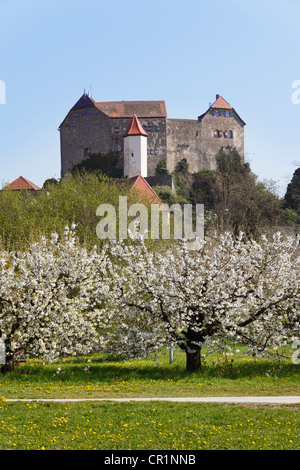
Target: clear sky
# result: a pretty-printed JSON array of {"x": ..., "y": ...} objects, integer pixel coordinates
[{"x": 183, "y": 52}]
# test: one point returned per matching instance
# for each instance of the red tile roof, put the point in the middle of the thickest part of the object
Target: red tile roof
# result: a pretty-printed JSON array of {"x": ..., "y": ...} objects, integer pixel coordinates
[
  {"x": 126, "y": 109},
  {"x": 143, "y": 188},
  {"x": 141, "y": 184},
  {"x": 221, "y": 104},
  {"x": 135, "y": 128},
  {"x": 23, "y": 183}
]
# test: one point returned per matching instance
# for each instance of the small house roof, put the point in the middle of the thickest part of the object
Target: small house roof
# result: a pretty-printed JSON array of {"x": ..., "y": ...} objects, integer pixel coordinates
[{"x": 23, "y": 183}]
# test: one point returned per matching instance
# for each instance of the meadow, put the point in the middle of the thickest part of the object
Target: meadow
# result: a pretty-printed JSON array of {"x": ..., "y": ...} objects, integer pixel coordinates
[{"x": 148, "y": 425}]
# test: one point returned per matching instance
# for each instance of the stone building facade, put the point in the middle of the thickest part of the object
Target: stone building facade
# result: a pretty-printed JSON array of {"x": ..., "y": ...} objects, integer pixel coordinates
[{"x": 99, "y": 127}]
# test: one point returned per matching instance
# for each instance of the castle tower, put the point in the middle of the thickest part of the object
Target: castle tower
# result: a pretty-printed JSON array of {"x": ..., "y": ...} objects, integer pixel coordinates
[{"x": 135, "y": 149}]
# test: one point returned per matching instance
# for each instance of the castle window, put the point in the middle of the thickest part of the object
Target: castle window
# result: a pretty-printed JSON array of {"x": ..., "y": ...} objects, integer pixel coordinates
[
  {"x": 154, "y": 128},
  {"x": 151, "y": 151},
  {"x": 86, "y": 112},
  {"x": 197, "y": 133},
  {"x": 86, "y": 152},
  {"x": 217, "y": 113},
  {"x": 225, "y": 134},
  {"x": 230, "y": 135},
  {"x": 217, "y": 133},
  {"x": 227, "y": 113},
  {"x": 227, "y": 150},
  {"x": 117, "y": 130}
]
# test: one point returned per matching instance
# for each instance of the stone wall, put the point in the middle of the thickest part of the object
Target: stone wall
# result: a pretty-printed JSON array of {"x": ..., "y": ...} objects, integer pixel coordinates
[
  {"x": 197, "y": 142},
  {"x": 224, "y": 124},
  {"x": 156, "y": 140},
  {"x": 83, "y": 132}
]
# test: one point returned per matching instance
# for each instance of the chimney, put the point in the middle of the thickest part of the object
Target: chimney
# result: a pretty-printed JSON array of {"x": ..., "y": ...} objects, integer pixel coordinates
[{"x": 217, "y": 97}]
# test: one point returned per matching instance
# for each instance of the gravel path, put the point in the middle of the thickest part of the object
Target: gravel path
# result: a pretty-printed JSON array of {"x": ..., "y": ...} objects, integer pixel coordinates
[{"x": 261, "y": 400}]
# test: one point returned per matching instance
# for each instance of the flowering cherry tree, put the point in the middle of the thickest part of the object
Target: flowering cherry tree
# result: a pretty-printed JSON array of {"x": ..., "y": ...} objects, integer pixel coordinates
[
  {"x": 236, "y": 289},
  {"x": 44, "y": 299},
  {"x": 60, "y": 298}
]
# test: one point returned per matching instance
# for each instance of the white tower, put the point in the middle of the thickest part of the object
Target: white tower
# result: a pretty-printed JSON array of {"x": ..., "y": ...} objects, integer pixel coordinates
[{"x": 135, "y": 150}]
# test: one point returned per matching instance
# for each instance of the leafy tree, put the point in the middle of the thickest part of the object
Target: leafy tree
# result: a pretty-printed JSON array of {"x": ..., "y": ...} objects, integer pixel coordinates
[
  {"x": 205, "y": 189},
  {"x": 24, "y": 217},
  {"x": 49, "y": 182},
  {"x": 181, "y": 186},
  {"x": 182, "y": 167},
  {"x": 100, "y": 163},
  {"x": 292, "y": 195},
  {"x": 161, "y": 168},
  {"x": 168, "y": 196}
]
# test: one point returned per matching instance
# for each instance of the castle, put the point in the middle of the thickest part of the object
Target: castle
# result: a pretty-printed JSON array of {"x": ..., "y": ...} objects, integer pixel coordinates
[{"x": 100, "y": 127}]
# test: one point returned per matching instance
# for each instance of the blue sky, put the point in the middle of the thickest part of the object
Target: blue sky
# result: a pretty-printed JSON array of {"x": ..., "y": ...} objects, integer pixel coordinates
[{"x": 180, "y": 52}]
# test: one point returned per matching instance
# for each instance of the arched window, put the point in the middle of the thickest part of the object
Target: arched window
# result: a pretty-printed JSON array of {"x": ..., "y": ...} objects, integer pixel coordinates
[{"x": 230, "y": 135}]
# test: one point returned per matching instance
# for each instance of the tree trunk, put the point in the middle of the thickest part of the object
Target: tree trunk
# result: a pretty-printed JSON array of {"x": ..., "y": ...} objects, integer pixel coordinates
[{"x": 193, "y": 360}]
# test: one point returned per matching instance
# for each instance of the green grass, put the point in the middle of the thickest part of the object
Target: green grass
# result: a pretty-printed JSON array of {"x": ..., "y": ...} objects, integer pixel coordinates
[
  {"x": 97, "y": 377},
  {"x": 147, "y": 426}
]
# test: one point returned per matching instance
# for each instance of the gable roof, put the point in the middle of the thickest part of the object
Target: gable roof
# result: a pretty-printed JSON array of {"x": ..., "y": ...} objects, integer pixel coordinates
[
  {"x": 122, "y": 109},
  {"x": 135, "y": 128},
  {"x": 126, "y": 109},
  {"x": 220, "y": 103},
  {"x": 23, "y": 183},
  {"x": 85, "y": 101},
  {"x": 141, "y": 185}
]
